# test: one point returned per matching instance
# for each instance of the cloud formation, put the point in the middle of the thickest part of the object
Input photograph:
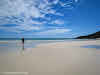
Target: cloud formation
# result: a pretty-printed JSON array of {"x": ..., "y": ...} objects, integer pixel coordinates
[
  {"x": 54, "y": 31},
  {"x": 22, "y": 13},
  {"x": 58, "y": 22}
]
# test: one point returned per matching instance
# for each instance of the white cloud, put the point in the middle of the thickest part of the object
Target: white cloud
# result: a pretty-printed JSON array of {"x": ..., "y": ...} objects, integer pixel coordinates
[
  {"x": 22, "y": 28},
  {"x": 28, "y": 7},
  {"x": 76, "y": 0},
  {"x": 59, "y": 22},
  {"x": 54, "y": 31},
  {"x": 24, "y": 10},
  {"x": 68, "y": 3},
  {"x": 27, "y": 25},
  {"x": 56, "y": 1}
]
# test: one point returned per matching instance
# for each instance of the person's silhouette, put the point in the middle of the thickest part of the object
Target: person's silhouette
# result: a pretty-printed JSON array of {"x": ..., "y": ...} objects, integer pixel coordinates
[
  {"x": 23, "y": 40},
  {"x": 23, "y": 43}
]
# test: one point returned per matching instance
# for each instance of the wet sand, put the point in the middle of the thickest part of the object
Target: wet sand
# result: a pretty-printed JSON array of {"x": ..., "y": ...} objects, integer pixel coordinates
[{"x": 56, "y": 58}]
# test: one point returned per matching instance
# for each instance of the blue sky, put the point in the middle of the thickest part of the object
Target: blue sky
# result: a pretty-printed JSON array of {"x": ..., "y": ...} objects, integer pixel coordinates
[{"x": 48, "y": 18}]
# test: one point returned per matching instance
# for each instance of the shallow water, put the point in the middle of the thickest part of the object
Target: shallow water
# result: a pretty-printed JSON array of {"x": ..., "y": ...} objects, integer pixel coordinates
[
  {"x": 50, "y": 57},
  {"x": 17, "y": 46},
  {"x": 92, "y": 46}
]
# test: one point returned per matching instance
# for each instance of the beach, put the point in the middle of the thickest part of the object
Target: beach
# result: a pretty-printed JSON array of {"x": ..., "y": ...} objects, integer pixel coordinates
[{"x": 50, "y": 58}]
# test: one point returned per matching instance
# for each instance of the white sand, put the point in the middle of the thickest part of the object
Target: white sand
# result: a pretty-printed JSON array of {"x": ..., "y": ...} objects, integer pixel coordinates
[{"x": 60, "y": 58}]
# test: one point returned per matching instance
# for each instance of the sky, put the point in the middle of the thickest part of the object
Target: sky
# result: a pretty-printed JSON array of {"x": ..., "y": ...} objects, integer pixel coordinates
[{"x": 48, "y": 18}]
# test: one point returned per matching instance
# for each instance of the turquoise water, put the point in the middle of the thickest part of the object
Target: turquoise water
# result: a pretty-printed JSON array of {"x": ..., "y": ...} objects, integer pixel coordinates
[{"x": 35, "y": 38}]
